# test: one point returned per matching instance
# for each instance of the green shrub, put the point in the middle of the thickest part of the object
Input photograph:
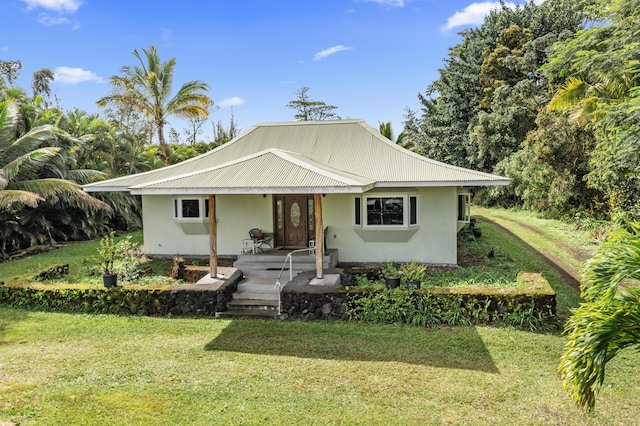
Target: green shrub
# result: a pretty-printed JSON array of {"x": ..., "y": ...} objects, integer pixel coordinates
[{"x": 429, "y": 309}]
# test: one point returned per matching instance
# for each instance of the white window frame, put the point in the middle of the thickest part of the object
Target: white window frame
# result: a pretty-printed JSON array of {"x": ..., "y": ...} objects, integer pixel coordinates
[
  {"x": 406, "y": 211},
  {"x": 177, "y": 209},
  {"x": 467, "y": 206}
]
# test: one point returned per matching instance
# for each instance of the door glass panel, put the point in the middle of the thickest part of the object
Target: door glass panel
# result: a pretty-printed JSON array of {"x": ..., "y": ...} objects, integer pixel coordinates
[
  {"x": 310, "y": 214},
  {"x": 295, "y": 214},
  {"x": 279, "y": 214}
]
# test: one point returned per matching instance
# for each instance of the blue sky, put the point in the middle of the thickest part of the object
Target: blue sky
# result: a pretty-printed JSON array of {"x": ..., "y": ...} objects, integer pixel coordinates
[{"x": 370, "y": 58}]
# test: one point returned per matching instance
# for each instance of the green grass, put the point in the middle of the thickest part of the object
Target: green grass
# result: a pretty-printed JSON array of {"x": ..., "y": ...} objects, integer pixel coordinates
[
  {"x": 81, "y": 265},
  {"x": 103, "y": 370},
  {"x": 568, "y": 246}
]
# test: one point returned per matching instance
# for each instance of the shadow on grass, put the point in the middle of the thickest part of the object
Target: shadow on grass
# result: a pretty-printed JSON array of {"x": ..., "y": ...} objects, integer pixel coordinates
[
  {"x": 9, "y": 317},
  {"x": 456, "y": 347}
]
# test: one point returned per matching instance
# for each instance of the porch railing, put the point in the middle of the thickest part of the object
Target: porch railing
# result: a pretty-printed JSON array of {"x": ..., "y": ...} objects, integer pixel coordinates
[{"x": 289, "y": 259}]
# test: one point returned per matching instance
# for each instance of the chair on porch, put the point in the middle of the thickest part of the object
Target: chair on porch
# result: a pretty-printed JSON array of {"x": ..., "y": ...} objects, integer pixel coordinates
[
  {"x": 260, "y": 239},
  {"x": 312, "y": 243}
]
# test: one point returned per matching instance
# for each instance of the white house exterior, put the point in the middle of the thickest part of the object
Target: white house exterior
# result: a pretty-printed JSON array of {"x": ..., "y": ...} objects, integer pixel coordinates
[{"x": 377, "y": 200}]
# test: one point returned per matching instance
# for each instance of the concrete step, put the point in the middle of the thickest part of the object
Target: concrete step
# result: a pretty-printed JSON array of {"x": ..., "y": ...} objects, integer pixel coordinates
[
  {"x": 276, "y": 266},
  {"x": 250, "y": 314},
  {"x": 261, "y": 287},
  {"x": 256, "y": 295},
  {"x": 250, "y": 304}
]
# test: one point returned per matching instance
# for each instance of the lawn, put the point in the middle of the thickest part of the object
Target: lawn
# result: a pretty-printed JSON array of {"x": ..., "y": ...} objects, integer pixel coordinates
[
  {"x": 83, "y": 369},
  {"x": 72, "y": 369}
]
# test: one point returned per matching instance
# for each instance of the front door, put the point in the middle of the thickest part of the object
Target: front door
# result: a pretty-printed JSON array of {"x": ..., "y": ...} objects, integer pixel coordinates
[{"x": 294, "y": 220}]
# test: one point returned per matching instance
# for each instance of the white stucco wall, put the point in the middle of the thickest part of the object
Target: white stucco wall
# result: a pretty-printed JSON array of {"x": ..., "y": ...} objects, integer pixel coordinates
[
  {"x": 236, "y": 214},
  {"x": 432, "y": 241}
]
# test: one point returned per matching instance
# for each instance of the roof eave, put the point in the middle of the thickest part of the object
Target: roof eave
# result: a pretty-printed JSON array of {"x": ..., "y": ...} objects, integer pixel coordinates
[
  {"x": 499, "y": 182},
  {"x": 89, "y": 188},
  {"x": 265, "y": 190}
]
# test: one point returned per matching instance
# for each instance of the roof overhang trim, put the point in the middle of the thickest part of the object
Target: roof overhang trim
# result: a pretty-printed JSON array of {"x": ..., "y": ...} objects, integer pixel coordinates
[
  {"x": 239, "y": 191},
  {"x": 501, "y": 182}
]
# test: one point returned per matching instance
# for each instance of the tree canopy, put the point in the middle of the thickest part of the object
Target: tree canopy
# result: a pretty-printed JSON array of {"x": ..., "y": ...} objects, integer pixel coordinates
[
  {"x": 147, "y": 89},
  {"x": 311, "y": 110}
]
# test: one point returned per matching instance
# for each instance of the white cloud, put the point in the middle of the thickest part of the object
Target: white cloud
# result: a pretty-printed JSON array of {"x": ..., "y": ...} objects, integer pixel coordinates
[
  {"x": 62, "y": 6},
  {"x": 330, "y": 51},
  {"x": 473, "y": 14},
  {"x": 392, "y": 3},
  {"x": 231, "y": 102},
  {"x": 68, "y": 75}
]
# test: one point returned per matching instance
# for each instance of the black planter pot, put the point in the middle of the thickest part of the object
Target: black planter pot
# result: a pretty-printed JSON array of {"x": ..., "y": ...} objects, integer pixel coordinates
[
  {"x": 391, "y": 282},
  {"x": 413, "y": 285},
  {"x": 109, "y": 280}
]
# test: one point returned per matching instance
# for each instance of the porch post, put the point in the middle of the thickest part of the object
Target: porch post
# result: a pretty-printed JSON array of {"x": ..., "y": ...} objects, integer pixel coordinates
[
  {"x": 213, "y": 238},
  {"x": 317, "y": 207}
]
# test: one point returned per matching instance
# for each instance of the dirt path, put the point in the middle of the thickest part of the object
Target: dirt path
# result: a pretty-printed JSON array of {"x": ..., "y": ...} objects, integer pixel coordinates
[{"x": 569, "y": 278}]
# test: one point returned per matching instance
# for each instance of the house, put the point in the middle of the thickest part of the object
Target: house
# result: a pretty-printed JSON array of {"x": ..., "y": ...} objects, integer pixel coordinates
[{"x": 376, "y": 200}]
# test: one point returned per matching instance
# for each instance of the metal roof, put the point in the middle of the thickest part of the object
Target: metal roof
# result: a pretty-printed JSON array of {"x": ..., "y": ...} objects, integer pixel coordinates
[{"x": 300, "y": 156}]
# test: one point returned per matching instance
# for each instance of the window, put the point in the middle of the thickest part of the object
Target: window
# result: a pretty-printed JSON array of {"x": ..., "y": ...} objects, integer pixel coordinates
[
  {"x": 413, "y": 210},
  {"x": 386, "y": 210},
  {"x": 190, "y": 208},
  {"x": 464, "y": 207}
]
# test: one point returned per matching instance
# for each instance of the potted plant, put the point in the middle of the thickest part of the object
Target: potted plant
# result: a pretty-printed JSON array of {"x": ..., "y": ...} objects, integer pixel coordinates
[
  {"x": 391, "y": 275},
  {"x": 106, "y": 258},
  {"x": 413, "y": 273}
]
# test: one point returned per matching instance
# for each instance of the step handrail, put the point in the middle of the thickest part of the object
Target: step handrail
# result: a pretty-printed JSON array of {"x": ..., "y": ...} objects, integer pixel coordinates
[{"x": 290, "y": 259}]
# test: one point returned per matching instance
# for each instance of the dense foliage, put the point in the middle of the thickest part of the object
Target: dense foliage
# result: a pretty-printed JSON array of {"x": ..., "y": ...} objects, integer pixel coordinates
[
  {"x": 547, "y": 95},
  {"x": 46, "y": 154}
]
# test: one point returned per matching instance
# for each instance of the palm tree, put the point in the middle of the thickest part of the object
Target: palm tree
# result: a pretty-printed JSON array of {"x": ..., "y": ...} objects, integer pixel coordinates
[
  {"x": 32, "y": 171},
  {"x": 609, "y": 319},
  {"x": 385, "y": 130},
  {"x": 148, "y": 89}
]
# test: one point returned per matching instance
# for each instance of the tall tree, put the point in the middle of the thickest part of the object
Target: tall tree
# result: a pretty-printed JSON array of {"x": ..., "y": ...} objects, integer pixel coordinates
[
  {"x": 464, "y": 124},
  {"x": 149, "y": 85},
  {"x": 311, "y": 110},
  {"x": 609, "y": 319},
  {"x": 602, "y": 91},
  {"x": 41, "y": 82},
  {"x": 9, "y": 71}
]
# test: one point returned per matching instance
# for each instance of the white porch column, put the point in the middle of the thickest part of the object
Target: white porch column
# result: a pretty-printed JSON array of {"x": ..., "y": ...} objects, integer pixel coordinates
[
  {"x": 213, "y": 238},
  {"x": 317, "y": 207}
]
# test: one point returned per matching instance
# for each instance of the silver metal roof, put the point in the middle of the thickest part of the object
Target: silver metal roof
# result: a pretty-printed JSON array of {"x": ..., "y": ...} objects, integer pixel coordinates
[{"x": 328, "y": 156}]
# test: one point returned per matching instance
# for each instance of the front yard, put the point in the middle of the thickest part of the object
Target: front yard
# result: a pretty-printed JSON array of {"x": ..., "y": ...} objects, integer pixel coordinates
[
  {"x": 104, "y": 370},
  {"x": 58, "y": 368}
]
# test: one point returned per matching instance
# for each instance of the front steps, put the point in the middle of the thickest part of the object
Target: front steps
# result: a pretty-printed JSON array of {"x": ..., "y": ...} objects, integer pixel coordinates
[
  {"x": 256, "y": 295},
  {"x": 269, "y": 263}
]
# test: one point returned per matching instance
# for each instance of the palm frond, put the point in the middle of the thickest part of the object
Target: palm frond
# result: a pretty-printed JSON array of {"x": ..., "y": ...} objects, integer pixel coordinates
[
  {"x": 27, "y": 165},
  {"x": 569, "y": 94},
  {"x": 8, "y": 197},
  {"x": 32, "y": 140},
  {"x": 53, "y": 189},
  {"x": 84, "y": 176},
  {"x": 8, "y": 123},
  {"x": 596, "y": 332},
  {"x": 618, "y": 259}
]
